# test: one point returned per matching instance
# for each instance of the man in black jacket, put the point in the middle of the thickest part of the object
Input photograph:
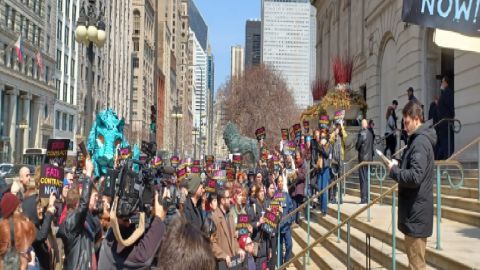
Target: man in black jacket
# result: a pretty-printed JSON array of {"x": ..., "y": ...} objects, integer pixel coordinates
[
  {"x": 193, "y": 204},
  {"x": 78, "y": 235},
  {"x": 414, "y": 176},
  {"x": 364, "y": 147},
  {"x": 446, "y": 110}
]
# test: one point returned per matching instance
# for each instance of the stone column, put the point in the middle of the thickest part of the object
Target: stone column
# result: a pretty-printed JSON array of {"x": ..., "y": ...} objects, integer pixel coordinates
[
  {"x": 12, "y": 117},
  {"x": 37, "y": 120},
  {"x": 26, "y": 116},
  {"x": 2, "y": 121}
]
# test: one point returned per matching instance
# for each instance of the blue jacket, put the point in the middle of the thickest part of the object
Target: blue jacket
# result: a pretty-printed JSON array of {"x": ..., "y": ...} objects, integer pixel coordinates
[{"x": 287, "y": 208}]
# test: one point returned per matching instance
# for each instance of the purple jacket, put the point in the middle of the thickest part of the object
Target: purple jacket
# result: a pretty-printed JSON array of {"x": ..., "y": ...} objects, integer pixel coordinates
[{"x": 300, "y": 183}]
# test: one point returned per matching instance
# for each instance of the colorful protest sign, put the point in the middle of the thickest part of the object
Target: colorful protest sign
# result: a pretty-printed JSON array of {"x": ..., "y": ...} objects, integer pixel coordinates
[
  {"x": 220, "y": 175},
  {"x": 243, "y": 222},
  {"x": 196, "y": 163},
  {"x": 230, "y": 174},
  {"x": 51, "y": 180},
  {"x": 57, "y": 150},
  {"x": 260, "y": 133},
  {"x": 124, "y": 153},
  {"x": 289, "y": 148},
  {"x": 211, "y": 186},
  {"x": 265, "y": 154},
  {"x": 237, "y": 158},
  {"x": 181, "y": 173},
  {"x": 270, "y": 225},
  {"x": 195, "y": 170},
  {"x": 157, "y": 162},
  {"x": 174, "y": 160},
  {"x": 284, "y": 134}
]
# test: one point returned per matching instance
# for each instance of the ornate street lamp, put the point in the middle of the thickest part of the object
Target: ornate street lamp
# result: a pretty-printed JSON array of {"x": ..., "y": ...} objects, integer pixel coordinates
[{"x": 90, "y": 31}]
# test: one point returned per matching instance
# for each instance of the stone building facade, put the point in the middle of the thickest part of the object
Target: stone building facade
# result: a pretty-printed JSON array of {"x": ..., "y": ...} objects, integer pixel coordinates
[{"x": 391, "y": 56}]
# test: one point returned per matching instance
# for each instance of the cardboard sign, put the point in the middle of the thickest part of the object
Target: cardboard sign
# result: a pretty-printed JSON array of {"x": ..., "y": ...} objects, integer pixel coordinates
[
  {"x": 124, "y": 153},
  {"x": 230, "y": 174},
  {"x": 220, "y": 175},
  {"x": 284, "y": 134},
  {"x": 243, "y": 222},
  {"x": 260, "y": 133},
  {"x": 195, "y": 170},
  {"x": 265, "y": 154},
  {"x": 174, "y": 160},
  {"x": 460, "y": 15},
  {"x": 181, "y": 173},
  {"x": 51, "y": 180},
  {"x": 57, "y": 150},
  {"x": 211, "y": 186},
  {"x": 209, "y": 160},
  {"x": 270, "y": 225},
  {"x": 289, "y": 148},
  {"x": 237, "y": 158}
]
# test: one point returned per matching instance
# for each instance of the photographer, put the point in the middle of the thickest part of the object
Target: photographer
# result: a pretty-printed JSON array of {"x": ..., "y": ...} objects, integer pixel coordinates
[
  {"x": 114, "y": 255},
  {"x": 76, "y": 232}
]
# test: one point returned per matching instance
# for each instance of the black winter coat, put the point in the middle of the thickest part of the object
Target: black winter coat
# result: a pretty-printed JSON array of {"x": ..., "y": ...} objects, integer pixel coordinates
[
  {"x": 29, "y": 207},
  {"x": 364, "y": 145},
  {"x": 414, "y": 176},
  {"x": 193, "y": 213},
  {"x": 77, "y": 236}
]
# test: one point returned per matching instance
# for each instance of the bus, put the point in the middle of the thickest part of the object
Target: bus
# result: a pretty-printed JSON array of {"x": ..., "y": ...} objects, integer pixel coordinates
[{"x": 34, "y": 156}]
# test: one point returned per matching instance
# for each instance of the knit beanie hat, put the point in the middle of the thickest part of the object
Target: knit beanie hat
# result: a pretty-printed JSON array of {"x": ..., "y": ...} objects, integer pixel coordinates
[
  {"x": 193, "y": 183},
  {"x": 242, "y": 241},
  {"x": 8, "y": 204}
]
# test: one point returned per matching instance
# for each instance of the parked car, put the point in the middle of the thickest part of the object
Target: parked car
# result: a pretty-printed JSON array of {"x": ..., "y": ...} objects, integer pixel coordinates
[{"x": 5, "y": 168}]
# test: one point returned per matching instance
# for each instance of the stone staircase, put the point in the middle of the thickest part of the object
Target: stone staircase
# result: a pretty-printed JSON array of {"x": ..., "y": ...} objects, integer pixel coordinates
[{"x": 460, "y": 230}]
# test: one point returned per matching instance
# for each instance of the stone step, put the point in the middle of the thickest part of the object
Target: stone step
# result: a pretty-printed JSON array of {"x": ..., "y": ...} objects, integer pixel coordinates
[
  {"x": 320, "y": 257},
  {"x": 468, "y": 204},
  {"x": 454, "y": 214},
  {"x": 337, "y": 250},
  {"x": 459, "y": 241}
]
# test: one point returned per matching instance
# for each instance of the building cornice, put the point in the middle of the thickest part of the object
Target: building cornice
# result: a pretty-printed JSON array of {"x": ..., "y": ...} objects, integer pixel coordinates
[
  {"x": 377, "y": 11},
  {"x": 35, "y": 84}
]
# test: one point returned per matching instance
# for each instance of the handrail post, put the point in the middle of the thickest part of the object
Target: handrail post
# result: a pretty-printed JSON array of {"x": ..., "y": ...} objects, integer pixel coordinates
[
  {"x": 394, "y": 227},
  {"x": 368, "y": 194},
  {"x": 338, "y": 213},
  {"x": 279, "y": 248},
  {"x": 348, "y": 245},
  {"x": 381, "y": 184},
  {"x": 307, "y": 261},
  {"x": 478, "y": 191},
  {"x": 439, "y": 207}
]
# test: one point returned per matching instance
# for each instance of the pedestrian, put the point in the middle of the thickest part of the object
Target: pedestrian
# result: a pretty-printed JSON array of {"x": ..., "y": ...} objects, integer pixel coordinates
[
  {"x": 285, "y": 226},
  {"x": 226, "y": 246},
  {"x": 193, "y": 203},
  {"x": 323, "y": 176},
  {"x": 298, "y": 194},
  {"x": 433, "y": 110},
  {"x": 338, "y": 140},
  {"x": 364, "y": 147},
  {"x": 390, "y": 136},
  {"x": 414, "y": 175},
  {"x": 446, "y": 110},
  {"x": 410, "y": 95}
]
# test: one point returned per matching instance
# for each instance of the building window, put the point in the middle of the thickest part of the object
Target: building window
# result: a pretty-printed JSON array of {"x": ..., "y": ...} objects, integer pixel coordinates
[
  {"x": 65, "y": 65},
  {"x": 67, "y": 8},
  {"x": 39, "y": 35},
  {"x": 59, "y": 59},
  {"x": 73, "y": 40},
  {"x": 136, "y": 45},
  {"x": 59, "y": 6},
  {"x": 33, "y": 67},
  {"x": 136, "y": 22},
  {"x": 70, "y": 124},
  {"x": 27, "y": 25},
  {"x": 66, "y": 35},
  {"x": 12, "y": 19},
  {"x": 57, "y": 87},
  {"x": 59, "y": 30},
  {"x": 71, "y": 94},
  {"x": 64, "y": 121},
  {"x": 57, "y": 120},
  {"x": 47, "y": 71},
  {"x": 135, "y": 62},
  {"x": 74, "y": 12},
  {"x": 34, "y": 32},
  {"x": 7, "y": 14},
  {"x": 65, "y": 90},
  {"x": 49, "y": 11},
  {"x": 72, "y": 69},
  {"x": 48, "y": 44}
]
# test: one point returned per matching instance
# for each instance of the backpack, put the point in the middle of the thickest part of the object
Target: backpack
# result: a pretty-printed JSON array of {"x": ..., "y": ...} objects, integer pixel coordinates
[{"x": 11, "y": 259}]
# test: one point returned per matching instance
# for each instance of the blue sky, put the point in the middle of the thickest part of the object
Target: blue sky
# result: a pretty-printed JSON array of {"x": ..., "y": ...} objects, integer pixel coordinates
[{"x": 226, "y": 27}]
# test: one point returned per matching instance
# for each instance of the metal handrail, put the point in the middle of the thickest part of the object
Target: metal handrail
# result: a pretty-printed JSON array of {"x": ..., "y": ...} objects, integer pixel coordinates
[
  {"x": 331, "y": 231},
  {"x": 449, "y": 120}
]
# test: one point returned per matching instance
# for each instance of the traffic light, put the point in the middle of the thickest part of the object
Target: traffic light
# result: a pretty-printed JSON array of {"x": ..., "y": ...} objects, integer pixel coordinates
[{"x": 153, "y": 118}]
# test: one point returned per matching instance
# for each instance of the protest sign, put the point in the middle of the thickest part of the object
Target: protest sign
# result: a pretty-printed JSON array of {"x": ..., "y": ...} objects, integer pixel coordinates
[
  {"x": 174, "y": 160},
  {"x": 243, "y": 222},
  {"x": 237, "y": 158},
  {"x": 51, "y": 180},
  {"x": 211, "y": 186},
  {"x": 260, "y": 133},
  {"x": 195, "y": 170},
  {"x": 297, "y": 130},
  {"x": 265, "y": 154},
  {"x": 124, "y": 153},
  {"x": 57, "y": 150},
  {"x": 220, "y": 175},
  {"x": 270, "y": 225},
  {"x": 181, "y": 173},
  {"x": 289, "y": 148},
  {"x": 230, "y": 174},
  {"x": 306, "y": 126},
  {"x": 157, "y": 162}
]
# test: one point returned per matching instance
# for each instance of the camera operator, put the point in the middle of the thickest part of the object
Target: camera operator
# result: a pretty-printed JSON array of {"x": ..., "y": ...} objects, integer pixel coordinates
[
  {"x": 140, "y": 255},
  {"x": 77, "y": 230}
]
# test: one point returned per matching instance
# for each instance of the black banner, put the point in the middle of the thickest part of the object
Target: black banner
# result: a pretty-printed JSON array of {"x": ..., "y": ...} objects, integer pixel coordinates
[
  {"x": 57, "y": 151},
  {"x": 462, "y": 16}
]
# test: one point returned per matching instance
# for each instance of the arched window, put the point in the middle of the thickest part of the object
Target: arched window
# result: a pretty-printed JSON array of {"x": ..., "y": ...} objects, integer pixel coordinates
[{"x": 136, "y": 21}]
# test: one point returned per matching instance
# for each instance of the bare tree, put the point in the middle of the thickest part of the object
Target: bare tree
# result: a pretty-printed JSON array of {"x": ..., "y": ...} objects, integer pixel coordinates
[{"x": 260, "y": 98}]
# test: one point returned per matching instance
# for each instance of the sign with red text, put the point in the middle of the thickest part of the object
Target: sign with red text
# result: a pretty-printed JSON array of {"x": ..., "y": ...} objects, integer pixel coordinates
[
  {"x": 211, "y": 186},
  {"x": 243, "y": 222},
  {"x": 57, "y": 150},
  {"x": 51, "y": 180},
  {"x": 270, "y": 225},
  {"x": 174, "y": 160},
  {"x": 260, "y": 133}
]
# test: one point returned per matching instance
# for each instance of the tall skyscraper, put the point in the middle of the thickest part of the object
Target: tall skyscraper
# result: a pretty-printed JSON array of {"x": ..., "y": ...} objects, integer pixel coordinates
[
  {"x": 253, "y": 43},
  {"x": 27, "y": 88},
  {"x": 237, "y": 59},
  {"x": 286, "y": 44},
  {"x": 211, "y": 94},
  {"x": 143, "y": 95}
]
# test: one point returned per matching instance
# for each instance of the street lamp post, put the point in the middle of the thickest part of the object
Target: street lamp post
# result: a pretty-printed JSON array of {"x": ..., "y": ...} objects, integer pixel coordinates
[
  {"x": 195, "y": 133},
  {"x": 90, "y": 31},
  {"x": 176, "y": 115}
]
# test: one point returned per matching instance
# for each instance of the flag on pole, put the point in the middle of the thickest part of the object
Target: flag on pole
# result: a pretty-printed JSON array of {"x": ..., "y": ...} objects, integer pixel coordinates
[
  {"x": 39, "y": 59},
  {"x": 19, "y": 46}
]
